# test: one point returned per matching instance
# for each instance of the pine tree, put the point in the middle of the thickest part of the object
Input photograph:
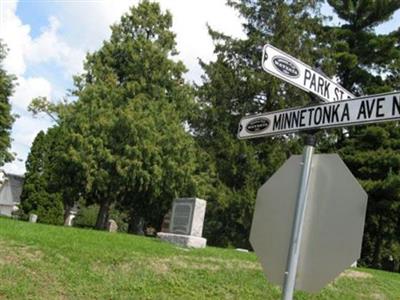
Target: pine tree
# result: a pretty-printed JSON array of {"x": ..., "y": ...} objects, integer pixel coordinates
[
  {"x": 235, "y": 85},
  {"x": 369, "y": 63}
]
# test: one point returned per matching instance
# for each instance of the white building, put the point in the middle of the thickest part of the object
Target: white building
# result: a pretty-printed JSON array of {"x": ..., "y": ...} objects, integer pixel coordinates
[{"x": 10, "y": 192}]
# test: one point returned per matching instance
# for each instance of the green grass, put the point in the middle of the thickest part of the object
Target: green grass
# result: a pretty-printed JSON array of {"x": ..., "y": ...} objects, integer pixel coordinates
[{"x": 48, "y": 262}]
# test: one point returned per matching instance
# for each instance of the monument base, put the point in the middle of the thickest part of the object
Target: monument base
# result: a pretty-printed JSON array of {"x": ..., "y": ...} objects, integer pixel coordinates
[{"x": 183, "y": 240}]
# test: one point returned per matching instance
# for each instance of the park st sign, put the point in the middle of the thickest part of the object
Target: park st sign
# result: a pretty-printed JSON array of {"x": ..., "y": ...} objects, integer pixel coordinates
[
  {"x": 357, "y": 111},
  {"x": 282, "y": 65}
]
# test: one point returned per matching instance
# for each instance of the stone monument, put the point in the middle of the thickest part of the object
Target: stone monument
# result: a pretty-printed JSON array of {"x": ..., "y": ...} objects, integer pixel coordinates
[
  {"x": 112, "y": 226},
  {"x": 186, "y": 225}
]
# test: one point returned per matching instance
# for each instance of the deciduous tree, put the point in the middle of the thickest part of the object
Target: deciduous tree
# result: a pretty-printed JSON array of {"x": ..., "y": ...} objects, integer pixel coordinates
[{"x": 6, "y": 118}]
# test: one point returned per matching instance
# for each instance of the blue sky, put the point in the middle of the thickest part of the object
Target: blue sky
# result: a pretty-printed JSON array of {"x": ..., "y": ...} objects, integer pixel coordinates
[{"x": 48, "y": 40}]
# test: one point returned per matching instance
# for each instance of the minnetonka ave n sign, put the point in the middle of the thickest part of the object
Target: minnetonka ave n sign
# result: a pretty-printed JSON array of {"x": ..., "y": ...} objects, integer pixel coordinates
[{"x": 362, "y": 110}]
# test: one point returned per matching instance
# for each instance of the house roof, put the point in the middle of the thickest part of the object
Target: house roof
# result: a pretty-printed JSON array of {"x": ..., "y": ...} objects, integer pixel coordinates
[
  {"x": 11, "y": 189},
  {"x": 16, "y": 182}
]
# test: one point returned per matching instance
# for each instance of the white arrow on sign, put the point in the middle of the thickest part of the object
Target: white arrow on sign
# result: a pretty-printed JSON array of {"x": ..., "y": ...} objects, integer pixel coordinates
[
  {"x": 294, "y": 71},
  {"x": 362, "y": 110}
]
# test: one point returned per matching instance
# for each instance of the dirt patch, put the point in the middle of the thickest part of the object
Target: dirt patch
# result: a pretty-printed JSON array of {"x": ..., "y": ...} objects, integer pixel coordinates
[
  {"x": 12, "y": 253},
  {"x": 356, "y": 274},
  {"x": 240, "y": 264},
  {"x": 377, "y": 296},
  {"x": 163, "y": 265},
  {"x": 7, "y": 259},
  {"x": 159, "y": 267},
  {"x": 232, "y": 264}
]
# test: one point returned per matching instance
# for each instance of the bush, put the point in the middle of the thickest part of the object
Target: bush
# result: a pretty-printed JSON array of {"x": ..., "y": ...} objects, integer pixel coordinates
[
  {"x": 51, "y": 210},
  {"x": 86, "y": 216},
  {"x": 48, "y": 207}
]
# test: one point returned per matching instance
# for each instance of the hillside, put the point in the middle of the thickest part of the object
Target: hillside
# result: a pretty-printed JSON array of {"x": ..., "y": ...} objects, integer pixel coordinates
[{"x": 48, "y": 262}]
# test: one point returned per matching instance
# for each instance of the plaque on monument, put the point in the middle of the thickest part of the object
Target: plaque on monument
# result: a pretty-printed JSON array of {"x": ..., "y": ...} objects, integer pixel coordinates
[{"x": 182, "y": 216}]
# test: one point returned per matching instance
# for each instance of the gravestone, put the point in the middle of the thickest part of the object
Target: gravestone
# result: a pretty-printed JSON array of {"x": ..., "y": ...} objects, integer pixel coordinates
[
  {"x": 166, "y": 222},
  {"x": 33, "y": 218},
  {"x": 72, "y": 212},
  {"x": 69, "y": 220},
  {"x": 112, "y": 226},
  {"x": 186, "y": 224}
]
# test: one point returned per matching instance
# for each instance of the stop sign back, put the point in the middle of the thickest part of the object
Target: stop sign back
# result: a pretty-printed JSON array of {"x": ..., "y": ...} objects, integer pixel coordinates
[{"x": 333, "y": 225}]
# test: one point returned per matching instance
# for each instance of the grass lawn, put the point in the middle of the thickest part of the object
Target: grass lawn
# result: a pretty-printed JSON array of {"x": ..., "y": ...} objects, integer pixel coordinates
[{"x": 49, "y": 262}]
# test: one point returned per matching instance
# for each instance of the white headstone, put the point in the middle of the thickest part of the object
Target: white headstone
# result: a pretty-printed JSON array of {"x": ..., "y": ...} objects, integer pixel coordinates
[
  {"x": 33, "y": 218},
  {"x": 112, "y": 226},
  {"x": 69, "y": 220}
]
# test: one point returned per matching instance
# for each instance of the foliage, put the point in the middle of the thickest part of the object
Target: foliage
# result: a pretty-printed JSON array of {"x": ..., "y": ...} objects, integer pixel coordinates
[
  {"x": 369, "y": 63},
  {"x": 86, "y": 216},
  {"x": 36, "y": 197},
  {"x": 6, "y": 118}
]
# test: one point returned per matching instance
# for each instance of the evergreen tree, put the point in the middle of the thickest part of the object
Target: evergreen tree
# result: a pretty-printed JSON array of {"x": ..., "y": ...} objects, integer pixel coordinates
[
  {"x": 35, "y": 197},
  {"x": 6, "y": 118},
  {"x": 369, "y": 63},
  {"x": 126, "y": 140},
  {"x": 236, "y": 85}
]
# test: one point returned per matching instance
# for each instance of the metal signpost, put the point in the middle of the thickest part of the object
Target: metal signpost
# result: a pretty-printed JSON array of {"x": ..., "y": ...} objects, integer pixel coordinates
[
  {"x": 296, "y": 257},
  {"x": 294, "y": 71},
  {"x": 297, "y": 231}
]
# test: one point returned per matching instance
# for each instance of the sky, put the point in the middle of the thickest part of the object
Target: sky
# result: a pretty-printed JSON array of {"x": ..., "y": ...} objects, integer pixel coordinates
[{"x": 48, "y": 40}]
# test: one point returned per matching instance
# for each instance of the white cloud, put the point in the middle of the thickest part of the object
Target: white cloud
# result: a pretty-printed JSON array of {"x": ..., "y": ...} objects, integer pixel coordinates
[
  {"x": 25, "y": 130},
  {"x": 16, "y": 36},
  {"x": 29, "y": 88},
  {"x": 190, "y": 19},
  {"x": 26, "y": 127},
  {"x": 50, "y": 47},
  {"x": 92, "y": 21},
  {"x": 189, "y": 23}
]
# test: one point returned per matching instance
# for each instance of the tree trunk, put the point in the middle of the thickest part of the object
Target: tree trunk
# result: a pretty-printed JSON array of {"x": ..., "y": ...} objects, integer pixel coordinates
[
  {"x": 378, "y": 244},
  {"x": 136, "y": 224},
  {"x": 102, "y": 216},
  {"x": 67, "y": 210}
]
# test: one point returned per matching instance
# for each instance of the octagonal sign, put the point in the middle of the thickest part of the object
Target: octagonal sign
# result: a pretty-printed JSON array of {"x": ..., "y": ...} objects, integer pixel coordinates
[{"x": 333, "y": 224}]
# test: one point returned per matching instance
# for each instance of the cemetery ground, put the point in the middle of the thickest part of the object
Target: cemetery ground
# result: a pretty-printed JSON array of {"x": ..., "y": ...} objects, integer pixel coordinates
[{"x": 53, "y": 262}]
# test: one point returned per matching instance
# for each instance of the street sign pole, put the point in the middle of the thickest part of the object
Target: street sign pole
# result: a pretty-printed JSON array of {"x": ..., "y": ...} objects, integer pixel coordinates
[
  {"x": 297, "y": 229},
  {"x": 307, "y": 186}
]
